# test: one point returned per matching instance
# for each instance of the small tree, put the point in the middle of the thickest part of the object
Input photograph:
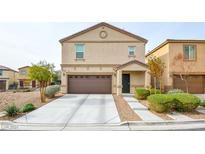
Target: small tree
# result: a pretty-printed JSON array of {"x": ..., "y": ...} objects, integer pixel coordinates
[
  {"x": 184, "y": 68},
  {"x": 156, "y": 69},
  {"x": 43, "y": 73}
]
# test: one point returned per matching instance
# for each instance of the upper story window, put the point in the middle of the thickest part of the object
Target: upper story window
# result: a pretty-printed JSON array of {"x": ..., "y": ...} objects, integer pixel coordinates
[
  {"x": 131, "y": 50},
  {"x": 23, "y": 72},
  {"x": 189, "y": 52},
  {"x": 79, "y": 49},
  {"x": 1, "y": 72}
]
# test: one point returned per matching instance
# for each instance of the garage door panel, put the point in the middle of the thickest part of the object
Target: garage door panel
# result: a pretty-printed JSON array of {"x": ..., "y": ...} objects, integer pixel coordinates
[
  {"x": 195, "y": 83},
  {"x": 89, "y": 84}
]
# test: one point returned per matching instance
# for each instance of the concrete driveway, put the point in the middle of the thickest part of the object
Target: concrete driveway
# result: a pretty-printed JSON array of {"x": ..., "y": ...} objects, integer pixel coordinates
[{"x": 76, "y": 109}]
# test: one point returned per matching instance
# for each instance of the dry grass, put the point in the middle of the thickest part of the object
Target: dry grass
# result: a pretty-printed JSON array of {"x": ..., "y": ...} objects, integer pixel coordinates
[
  {"x": 124, "y": 110},
  {"x": 20, "y": 99},
  {"x": 161, "y": 115}
]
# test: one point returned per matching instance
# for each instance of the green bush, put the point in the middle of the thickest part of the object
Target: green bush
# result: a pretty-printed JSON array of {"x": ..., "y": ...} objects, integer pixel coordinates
[
  {"x": 152, "y": 91},
  {"x": 52, "y": 90},
  {"x": 185, "y": 102},
  {"x": 173, "y": 91},
  {"x": 28, "y": 107},
  {"x": 141, "y": 93},
  {"x": 11, "y": 110},
  {"x": 159, "y": 102},
  {"x": 202, "y": 103},
  {"x": 182, "y": 102}
]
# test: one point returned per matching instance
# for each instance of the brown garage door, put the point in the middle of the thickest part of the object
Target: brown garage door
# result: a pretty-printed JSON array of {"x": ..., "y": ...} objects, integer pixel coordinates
[
  {"x": 2, "y": 85},
  {"x": 89, "y": 84},
  {"x": 195, "y": 84}
]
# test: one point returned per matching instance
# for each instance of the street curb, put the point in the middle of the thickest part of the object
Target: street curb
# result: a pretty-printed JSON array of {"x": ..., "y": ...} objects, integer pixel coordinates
[{"x": 167, "y": 122}]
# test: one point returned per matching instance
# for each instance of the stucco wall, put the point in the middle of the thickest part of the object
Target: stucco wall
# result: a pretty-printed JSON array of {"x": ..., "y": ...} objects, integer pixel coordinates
[
  {"x": 163, "y": 54},
  {"x": 102, "y": 53}
]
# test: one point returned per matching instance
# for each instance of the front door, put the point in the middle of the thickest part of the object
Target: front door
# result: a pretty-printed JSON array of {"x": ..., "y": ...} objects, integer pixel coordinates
[{"x": 125, "y": 83}]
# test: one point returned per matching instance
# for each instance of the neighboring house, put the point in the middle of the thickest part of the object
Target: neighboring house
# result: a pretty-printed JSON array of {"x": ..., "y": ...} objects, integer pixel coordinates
[
  {"x": 8, "y": 78},
  {"x": 24, "y": 79},
  {"x": 193, "y": 55},
  {"x": 103, "y": 59}
]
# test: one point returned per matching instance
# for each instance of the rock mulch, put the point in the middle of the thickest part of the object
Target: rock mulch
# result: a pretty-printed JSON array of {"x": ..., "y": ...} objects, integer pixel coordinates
[{"x": 124, "y": 110}]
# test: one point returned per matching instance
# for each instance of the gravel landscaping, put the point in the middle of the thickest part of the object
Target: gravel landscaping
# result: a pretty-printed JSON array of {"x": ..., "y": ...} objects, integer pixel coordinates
[
  {"x": 124, "y": 110},
  {"x": 19, "y": 99}
]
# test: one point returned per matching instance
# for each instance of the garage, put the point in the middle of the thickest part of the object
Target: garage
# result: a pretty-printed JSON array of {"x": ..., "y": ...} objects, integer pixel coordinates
[
  {"x": 195, "y": 83},
  {"x": 89, "y": 84},
  {"x": 2, "y": 85}
]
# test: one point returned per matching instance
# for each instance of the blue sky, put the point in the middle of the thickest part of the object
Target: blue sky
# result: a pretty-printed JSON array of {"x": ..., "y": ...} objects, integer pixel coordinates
[{"x": 23, "y": 43}]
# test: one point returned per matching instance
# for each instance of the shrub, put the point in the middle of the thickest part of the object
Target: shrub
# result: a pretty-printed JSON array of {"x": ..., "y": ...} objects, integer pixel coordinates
[
  {"x": 202, "y": 103},
  {"x": 160, "y": 102},
  {"x": 28, "y": 107},
  {"x": 52, "y": 90},
  {"x": 185, "y": 102},
  {"x": 173, "y": 91},
  {"x": 182, "y": 102},
  {"x": 152, "y": 91},
  {"x": 11, "y": 110},
  {"x": 141, "y": 93}
]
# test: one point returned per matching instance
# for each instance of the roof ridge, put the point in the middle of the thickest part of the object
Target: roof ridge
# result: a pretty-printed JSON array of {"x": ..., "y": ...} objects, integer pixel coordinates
[{"x": 103, "y": 24}]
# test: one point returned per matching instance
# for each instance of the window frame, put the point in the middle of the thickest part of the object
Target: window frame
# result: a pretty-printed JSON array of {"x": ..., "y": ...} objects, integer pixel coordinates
[
  {"x": 79, "y": 52},
  {"x": 134, "y": 52},
  {"x": 1, "y": 70},
  {"x": 195, "y": 50}
]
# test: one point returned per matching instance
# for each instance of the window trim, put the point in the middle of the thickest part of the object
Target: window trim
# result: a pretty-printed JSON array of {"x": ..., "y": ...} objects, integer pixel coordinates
[
  {"x": 82, "y": 52},
  {"x": 1, "y": 70},
  {"x": 195, "y": 47},
  {"x": 134, "y": 51}
]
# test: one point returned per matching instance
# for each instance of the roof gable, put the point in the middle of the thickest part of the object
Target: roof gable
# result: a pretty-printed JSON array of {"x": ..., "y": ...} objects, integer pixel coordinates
[
  {"x": 131, "y": 65},
  {"x": 173, "y": 41},
  {"x": 114, "y": 33},
  {"x": 6, "y": 68}
]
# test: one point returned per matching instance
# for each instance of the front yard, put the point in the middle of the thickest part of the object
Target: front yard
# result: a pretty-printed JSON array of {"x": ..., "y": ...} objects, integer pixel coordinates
[{"x": 20, "y": 99}]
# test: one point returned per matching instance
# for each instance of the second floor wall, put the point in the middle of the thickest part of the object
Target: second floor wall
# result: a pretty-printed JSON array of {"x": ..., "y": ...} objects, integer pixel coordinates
[
  {"x": 103, "y": 53},
  {"x": 191, "y": 55}
]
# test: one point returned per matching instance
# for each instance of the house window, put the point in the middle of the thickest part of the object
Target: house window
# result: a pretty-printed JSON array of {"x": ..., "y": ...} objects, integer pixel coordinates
[
  {"x": 189, "y": 52},
  {"x": 131, "y": 50},
  {"x": 1, "y": 72},
  {"x": 23, "y": 72},
  {"x": 79, "y": 48}
]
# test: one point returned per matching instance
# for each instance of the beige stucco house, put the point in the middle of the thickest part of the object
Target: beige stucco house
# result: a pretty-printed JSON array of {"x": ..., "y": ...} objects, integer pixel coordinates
[
  {"x": 24, "y": 79},
  {"x": 192, "y": 53},
  {"x": 103, "y": 59},
  {"x": 8, "y": 77}
]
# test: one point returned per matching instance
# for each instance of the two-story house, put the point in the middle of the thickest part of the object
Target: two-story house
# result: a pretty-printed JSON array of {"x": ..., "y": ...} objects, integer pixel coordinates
[
  {"x": 191, "y": 64},
  {"x": 8, "y": 78},
  {"x": 103, "y": 59},
  {"x": 24, "y": 79}
]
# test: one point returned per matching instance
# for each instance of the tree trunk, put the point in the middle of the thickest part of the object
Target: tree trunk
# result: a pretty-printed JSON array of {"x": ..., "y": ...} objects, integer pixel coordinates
[
  {"x": 155, "y": 85},
  {"x": 42, "y": 92},
  {"x": 186, "y": 84},
  {"x": 160, "y": 86}
]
